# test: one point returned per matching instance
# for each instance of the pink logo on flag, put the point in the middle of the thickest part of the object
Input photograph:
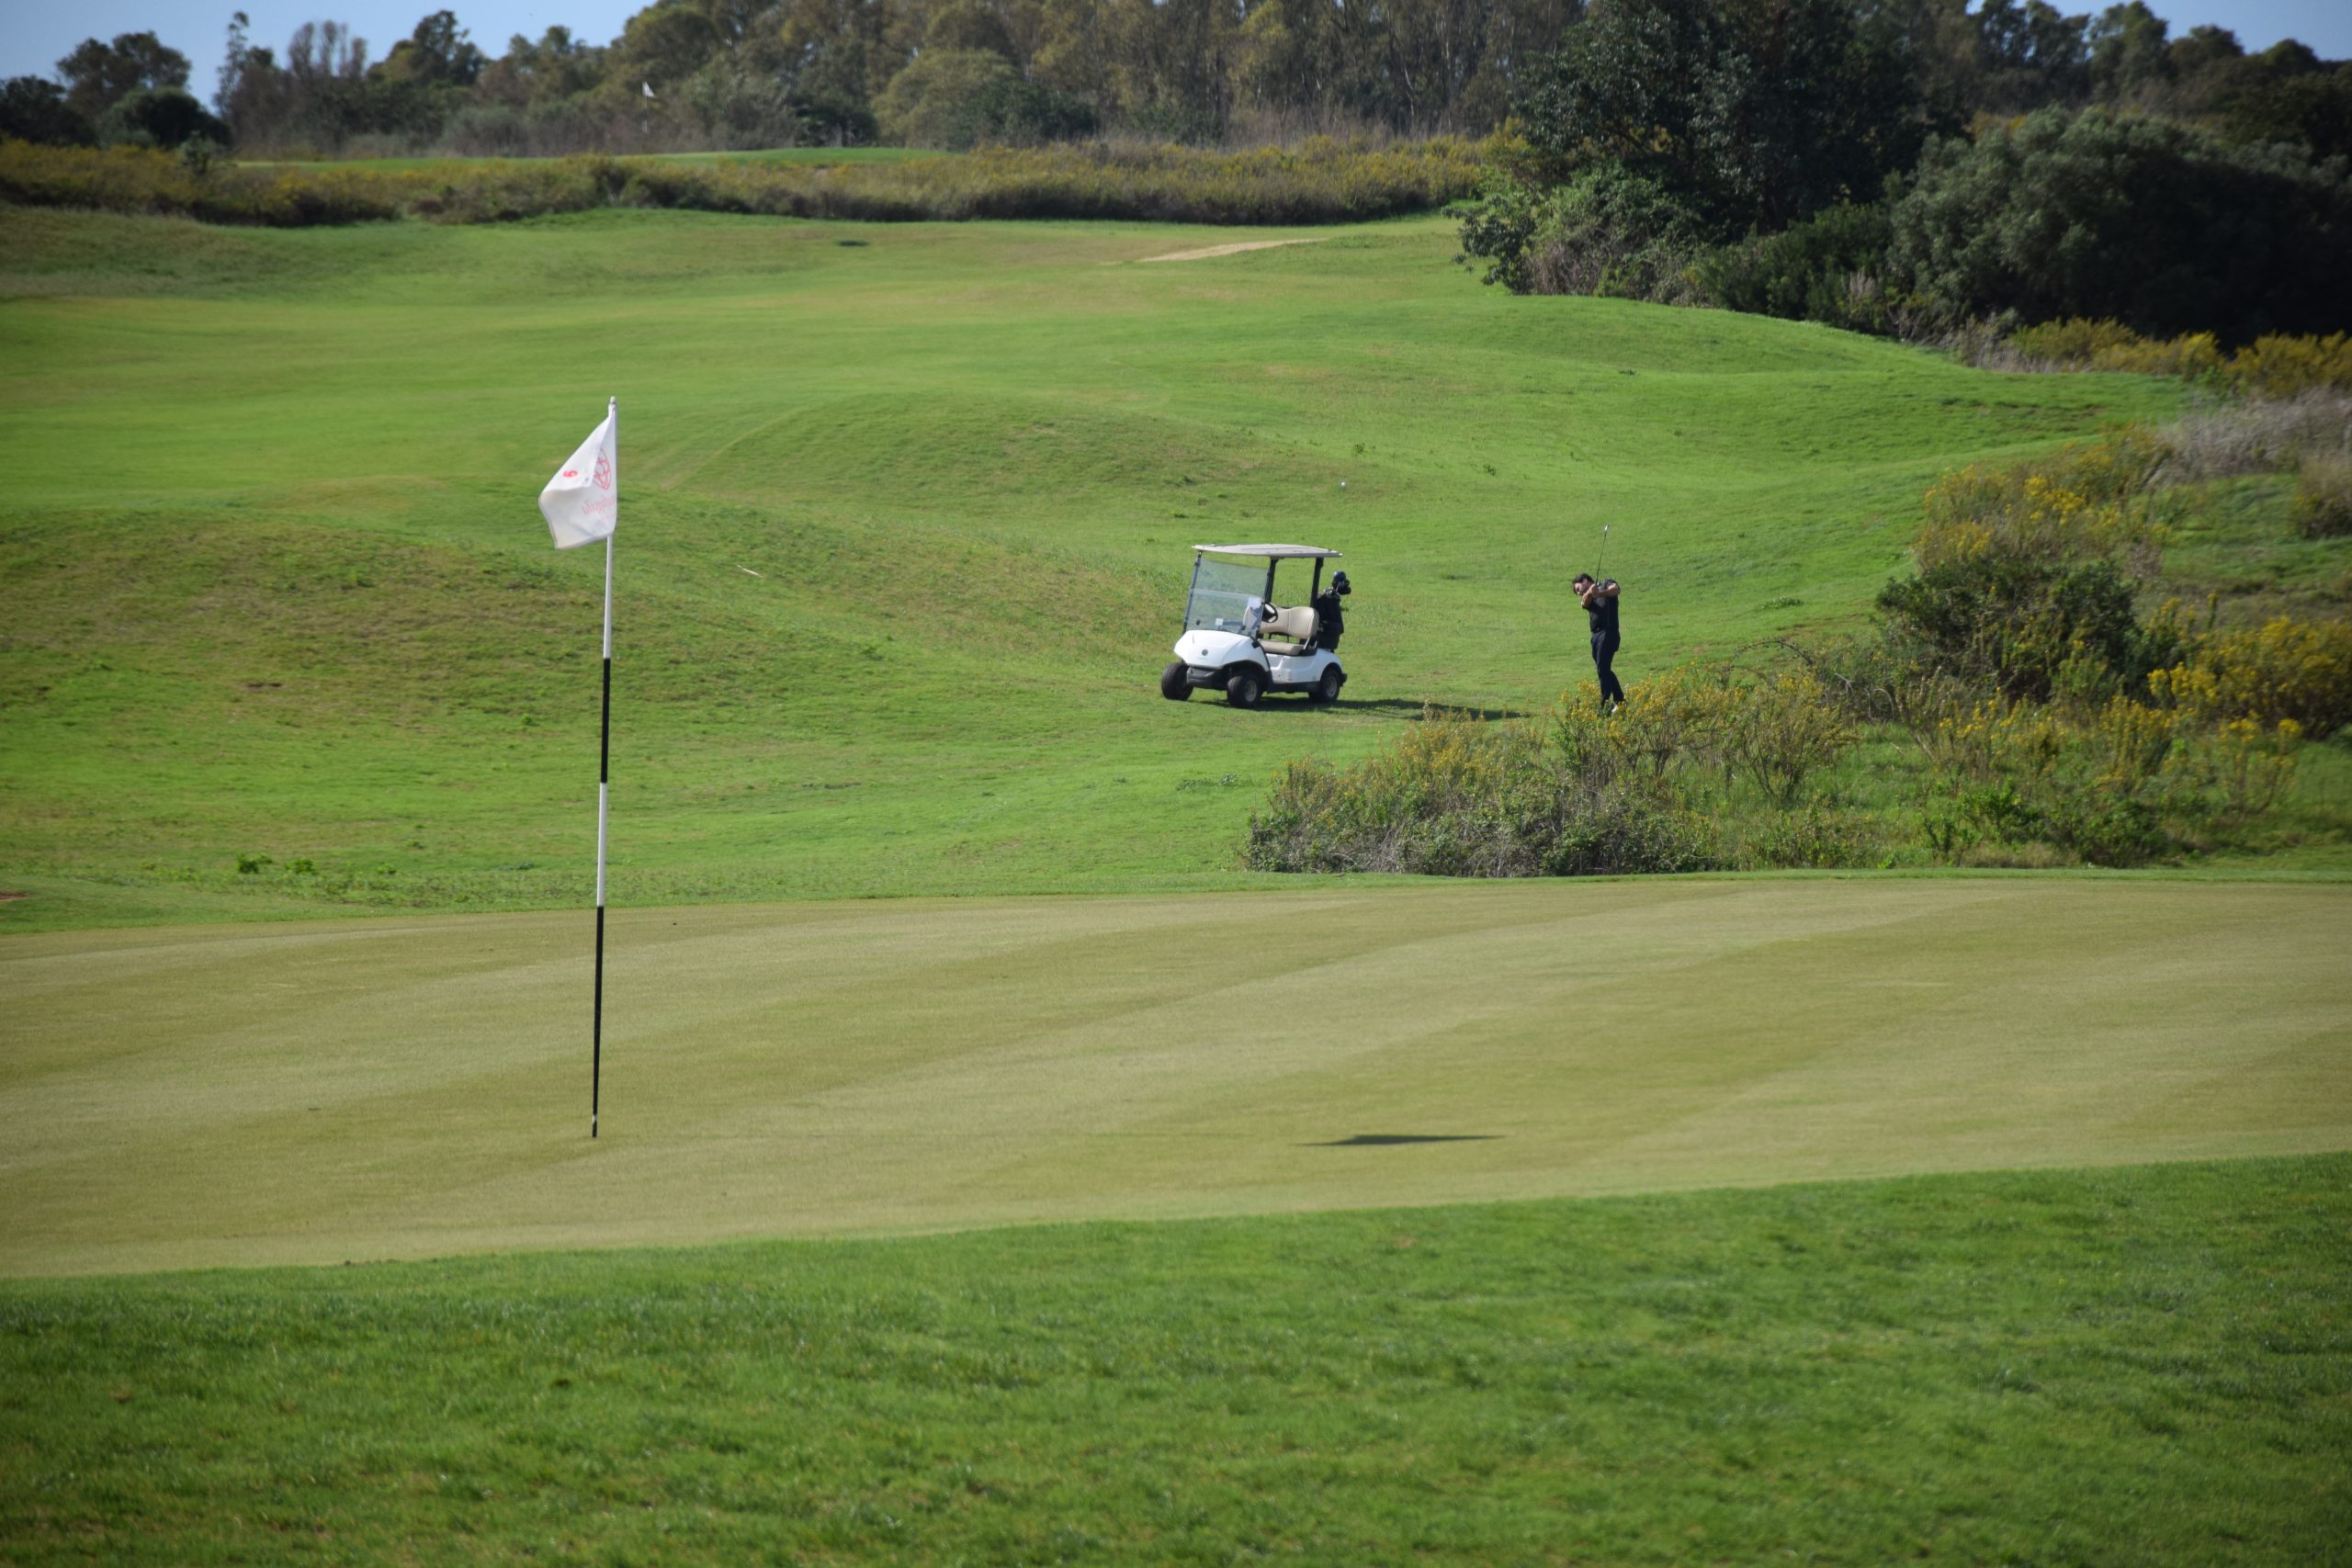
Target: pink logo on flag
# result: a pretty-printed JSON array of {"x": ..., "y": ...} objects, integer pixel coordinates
[
  {"x": 571, "y": 473},
  {"x": 603, "y": 470}
]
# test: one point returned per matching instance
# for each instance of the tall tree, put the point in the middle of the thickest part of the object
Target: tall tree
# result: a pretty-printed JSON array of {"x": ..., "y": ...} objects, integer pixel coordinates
[
  {"x": 98, "y": 76},
  {"x": 2145, "y": 220},
  {"x": 1758, "y": 111},
  {"x": 665, "y": 43},
  {"x": 2031, "y": 54},
  {"x": 437, "y": 55},
  {"x": 2128, "y": 62},
  {"x": 33, "y": 108}
]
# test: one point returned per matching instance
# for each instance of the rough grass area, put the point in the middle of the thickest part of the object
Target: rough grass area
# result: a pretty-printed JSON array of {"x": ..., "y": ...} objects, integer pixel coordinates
[
  {"x": 1320, "y": 181},
  {"x": 903, "y": 540},
  {"x": 2144, "y": 1364}
]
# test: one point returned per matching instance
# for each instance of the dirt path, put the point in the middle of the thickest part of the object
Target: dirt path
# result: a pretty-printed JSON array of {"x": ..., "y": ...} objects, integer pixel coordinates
[{"x": 1207, "y": 252}]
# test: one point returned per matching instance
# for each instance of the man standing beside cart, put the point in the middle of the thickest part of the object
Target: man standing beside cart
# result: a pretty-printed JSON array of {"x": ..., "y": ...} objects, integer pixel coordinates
[{"x": 1331, "y": 619}]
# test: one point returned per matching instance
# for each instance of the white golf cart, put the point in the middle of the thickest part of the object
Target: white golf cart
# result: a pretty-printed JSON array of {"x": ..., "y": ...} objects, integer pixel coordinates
[{"x": 1240, "y": 641}]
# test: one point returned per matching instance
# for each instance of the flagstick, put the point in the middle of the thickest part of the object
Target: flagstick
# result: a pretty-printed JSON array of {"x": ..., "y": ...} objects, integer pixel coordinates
[{"x": 604, "y": 784}]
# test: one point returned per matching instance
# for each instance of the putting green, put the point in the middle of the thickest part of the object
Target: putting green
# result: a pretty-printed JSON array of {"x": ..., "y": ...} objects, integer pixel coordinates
[{"x": 325, "y": 1091}]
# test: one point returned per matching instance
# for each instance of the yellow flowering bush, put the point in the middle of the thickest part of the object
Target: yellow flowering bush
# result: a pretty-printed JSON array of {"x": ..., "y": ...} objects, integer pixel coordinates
[
  {"x": 2284, "y": 670},
  {"x": 2089, "y": 503},
  {"x": 2080, "y": 345},
  {"x": 2276, "y": 365},
  {"x": 2119, "y": 786}
]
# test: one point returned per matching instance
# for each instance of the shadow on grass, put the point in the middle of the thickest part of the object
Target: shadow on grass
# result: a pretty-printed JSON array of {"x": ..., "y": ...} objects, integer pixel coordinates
[
  {"x": 1383, "y": 1140},
  {"x": 1408, "y": 707}
]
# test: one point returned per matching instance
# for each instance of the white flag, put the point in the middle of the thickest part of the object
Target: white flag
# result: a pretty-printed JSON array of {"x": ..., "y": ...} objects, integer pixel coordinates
[{"x": 582, "y": 502}]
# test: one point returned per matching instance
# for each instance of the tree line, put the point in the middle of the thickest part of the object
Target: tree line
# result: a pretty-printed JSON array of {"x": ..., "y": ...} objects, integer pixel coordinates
[
  {"x": 1919, "y": 170},
  {"x": 1856, "y": 87}
]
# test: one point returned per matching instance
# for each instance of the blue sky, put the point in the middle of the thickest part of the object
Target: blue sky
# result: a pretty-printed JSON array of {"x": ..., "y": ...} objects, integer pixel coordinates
[{"x": 35, "y": 33}]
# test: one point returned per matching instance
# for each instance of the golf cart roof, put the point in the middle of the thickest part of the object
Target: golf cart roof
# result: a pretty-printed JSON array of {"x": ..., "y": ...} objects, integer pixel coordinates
[{"x": 1273, "y": 552}]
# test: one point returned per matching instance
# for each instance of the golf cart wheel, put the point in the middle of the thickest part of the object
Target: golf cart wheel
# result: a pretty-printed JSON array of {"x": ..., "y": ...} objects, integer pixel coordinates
[
  {"x": 1326, "y": 690},
  {"x": 1172, "y": 684},
  {"x": 1244, "y": 687}
]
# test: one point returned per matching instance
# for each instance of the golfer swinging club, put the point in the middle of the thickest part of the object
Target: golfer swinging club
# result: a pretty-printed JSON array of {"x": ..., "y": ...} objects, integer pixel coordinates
[{"x": 1599, "y": 602}]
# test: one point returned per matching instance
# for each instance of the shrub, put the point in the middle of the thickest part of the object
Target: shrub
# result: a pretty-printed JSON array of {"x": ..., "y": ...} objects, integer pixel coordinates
[
  {"x": 2087, "y": 503},
  {"x": 1612, "y": 233},
  {"x": 1783, "y": 731},
  {"x": 1815, "y": 838},
  {"x": 2077, "y": 344},
  {"x": 2284, "y": 672},
  {"x": 1605, "y": 231},
  {"x": 2028, "y": 631},
  {"x": 2323, "y": 508},
  {"x": 2122, "y": 786},
  {"x": 1823, "y": 269},
  {"x": 2214, "y": 438},
  {"x": 2026, "y": 574},
  {"x": 2275, "y": 365},
  {"x": 1456, "y": 796},
  {"x": 1498, "y": 227},
  {"x": 1698, "y": 763},
  {"x": 1880, "y": 676}
]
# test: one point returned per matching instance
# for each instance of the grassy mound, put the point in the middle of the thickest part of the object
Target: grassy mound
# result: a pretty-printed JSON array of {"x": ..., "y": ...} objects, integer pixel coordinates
[{"x": 903, "y": 542}]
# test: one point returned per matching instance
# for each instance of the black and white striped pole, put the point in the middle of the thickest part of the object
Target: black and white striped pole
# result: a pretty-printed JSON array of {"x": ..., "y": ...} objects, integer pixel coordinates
[
  {"x": 604, "y": 790},
  {"x": 582, "y": 504}
]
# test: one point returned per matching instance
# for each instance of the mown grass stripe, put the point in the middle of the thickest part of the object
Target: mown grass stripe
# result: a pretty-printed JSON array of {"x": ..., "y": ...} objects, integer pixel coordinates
[{"x": 375, "y": 1089}]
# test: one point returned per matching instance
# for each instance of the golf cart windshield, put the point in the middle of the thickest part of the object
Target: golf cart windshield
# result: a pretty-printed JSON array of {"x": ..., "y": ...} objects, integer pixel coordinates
[{"x": 1226, "y": 594}]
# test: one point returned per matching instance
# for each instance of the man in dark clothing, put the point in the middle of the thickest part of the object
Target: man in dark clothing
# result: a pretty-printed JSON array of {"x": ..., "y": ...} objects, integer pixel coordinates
[
  {"x": 1599, "y": 602},
  {"x": 1329, "y": 620}
]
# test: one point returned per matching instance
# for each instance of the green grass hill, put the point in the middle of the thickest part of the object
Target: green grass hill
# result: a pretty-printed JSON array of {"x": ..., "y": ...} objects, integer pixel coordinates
[{"x": 903, "y": 540}]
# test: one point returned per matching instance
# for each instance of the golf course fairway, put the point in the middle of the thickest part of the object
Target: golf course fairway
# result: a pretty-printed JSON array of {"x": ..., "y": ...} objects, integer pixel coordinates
[
  {"x": 906, "y": 511},
  {"x": 338, "y": 1090},
  {"x": 993, "y": 1168}
]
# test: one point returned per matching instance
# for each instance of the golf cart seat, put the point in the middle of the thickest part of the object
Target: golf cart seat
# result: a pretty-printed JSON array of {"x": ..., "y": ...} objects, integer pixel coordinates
[{"x": 1292, "y": 629}]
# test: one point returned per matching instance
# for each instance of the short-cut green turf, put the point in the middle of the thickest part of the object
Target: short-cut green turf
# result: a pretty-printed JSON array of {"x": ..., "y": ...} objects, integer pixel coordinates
[
  {"x": 903, "y": 540},
  {"x": 2137, "y": 1365},
  {"x": 321, "y": 1092}
]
